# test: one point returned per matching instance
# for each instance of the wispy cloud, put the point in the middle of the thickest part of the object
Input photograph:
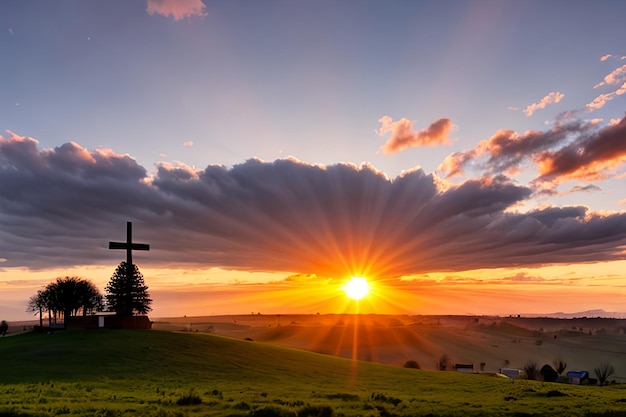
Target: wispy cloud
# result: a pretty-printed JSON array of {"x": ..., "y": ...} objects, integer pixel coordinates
[
  {"x": 178, "y": 9},
  {"x": 617, "y": 77},
  {"x": 585, "y": 189},
  {"x": 61, "y": 206},
  {"x": 403, "y": 134},
  {"x": 188, "y": 143},
  {"x": 550, "y": 98}
]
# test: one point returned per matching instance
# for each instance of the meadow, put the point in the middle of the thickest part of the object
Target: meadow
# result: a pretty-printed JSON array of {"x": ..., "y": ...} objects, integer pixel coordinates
[{"x": 162, "y": 373}]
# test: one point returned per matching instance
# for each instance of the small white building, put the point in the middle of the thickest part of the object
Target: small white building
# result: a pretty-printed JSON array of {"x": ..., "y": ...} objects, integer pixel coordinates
[{"x": 511, "y": 372}]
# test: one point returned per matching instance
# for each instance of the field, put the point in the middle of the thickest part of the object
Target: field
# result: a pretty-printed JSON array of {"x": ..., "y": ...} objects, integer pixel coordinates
[
  {"x": 163, "y": 373},
  {"x": 494, "y": 342}
]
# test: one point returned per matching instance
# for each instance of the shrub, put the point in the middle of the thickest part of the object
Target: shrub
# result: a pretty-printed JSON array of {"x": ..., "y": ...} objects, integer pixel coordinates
[
  {"x": 411, "y": 364},
  {"x": 603, "y": 372},
  {"x": 189, "y": 399},
  {"x": 442, "y": 364},
  {"x": 242, "y": 406},
  {"x": 385, "y": 399},
  {"x": 343, "y": 396},
  {"x": 560, "y": 365},
  {"x": 548, "y": 373},
  {"x": 531, "y": 370}
]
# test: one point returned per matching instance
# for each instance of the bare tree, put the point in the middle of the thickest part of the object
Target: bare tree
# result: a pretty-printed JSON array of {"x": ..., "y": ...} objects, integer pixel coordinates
[
  {"x": 443, "y": 362},
  {"x": 531, "y": 370},
  {"x": 559, "y": 365},
  {"x": 603, "y": 372}
]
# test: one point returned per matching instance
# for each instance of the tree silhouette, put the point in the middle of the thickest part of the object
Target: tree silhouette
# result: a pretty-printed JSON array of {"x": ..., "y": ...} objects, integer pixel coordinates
[
  {"x": 127, "y": 295},
  {"x": 66, "y": 297},
  {"x": 40, "y": 302},
  {"x": 603, "y": 372}
]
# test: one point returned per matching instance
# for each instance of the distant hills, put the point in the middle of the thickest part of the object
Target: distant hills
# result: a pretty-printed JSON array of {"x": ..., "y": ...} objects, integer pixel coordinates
[{"x": 597, "y": 313}]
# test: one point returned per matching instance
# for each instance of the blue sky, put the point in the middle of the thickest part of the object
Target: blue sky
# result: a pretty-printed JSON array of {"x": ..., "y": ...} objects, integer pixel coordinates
[{"x": 180, "y": 86}]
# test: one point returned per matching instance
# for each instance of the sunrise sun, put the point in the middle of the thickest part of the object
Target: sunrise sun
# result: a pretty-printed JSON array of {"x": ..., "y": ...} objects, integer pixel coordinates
[{"x": 357, "y": 288}]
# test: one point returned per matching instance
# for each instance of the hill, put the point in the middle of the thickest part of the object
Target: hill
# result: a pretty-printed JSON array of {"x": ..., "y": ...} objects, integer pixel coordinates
[
  {"x": 489, "y": 343},
  {"x": 123, "y": 373}
]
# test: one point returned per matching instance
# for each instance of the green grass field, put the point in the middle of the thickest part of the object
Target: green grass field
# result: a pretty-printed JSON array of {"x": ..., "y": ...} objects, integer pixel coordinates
[{"x": 159, "y": 373}]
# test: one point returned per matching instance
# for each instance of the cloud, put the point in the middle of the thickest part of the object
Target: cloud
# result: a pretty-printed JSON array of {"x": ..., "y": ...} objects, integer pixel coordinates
[
  {"x": 507, "y": 150},
  {"x": 590, "y": 157},
  {"x": 178, "y": 9},
  {"x": 600, "y": 101},
  {"x": 615, "y": 77},
  {"x": 61, "y": 207},
  {"x": 188, "y": 143},
  {"x": 404, "y": 136},
  {"x": 550, "y": 98},
  {"x": 585, "y": 189},
  {"x": 569, "y": 150},
  {"x": 605, "y": 57},
  {"x": 523, "y": 277}
]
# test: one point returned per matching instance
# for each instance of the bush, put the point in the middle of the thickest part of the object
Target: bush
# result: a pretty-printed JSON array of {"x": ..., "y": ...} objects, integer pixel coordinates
[
  {"x": 531, "y": 370},
  {"x": 316, "y": 411},
  {"x": 411, "y": 364},
  {"x": 443, "y": 362},
  {"x": 189, "y": 399},
  {"x": 343, "y": 397},
  {"x": 560, "y": 365},
  {"x": 603, "y": 372},
  {"x": 385, "y": 399}
]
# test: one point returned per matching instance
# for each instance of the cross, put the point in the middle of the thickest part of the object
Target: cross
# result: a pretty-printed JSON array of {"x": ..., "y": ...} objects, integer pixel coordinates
[{"x": 130, "y": 247}]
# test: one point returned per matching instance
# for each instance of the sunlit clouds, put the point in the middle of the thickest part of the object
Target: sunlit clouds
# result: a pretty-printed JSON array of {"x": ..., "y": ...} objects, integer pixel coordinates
[
  {"x": 338, "y": 220},
  {"x": 178, "y": 9},
  {"x": 570, "y": 149},
  {"x": 550, "y": 98},
  {"x": 403, "y": 135},
  {"x": 616, "y": 81}
]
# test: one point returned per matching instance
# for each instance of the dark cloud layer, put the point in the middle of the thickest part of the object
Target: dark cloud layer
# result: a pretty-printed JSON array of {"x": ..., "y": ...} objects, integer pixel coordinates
[{"x": 60, "y": 207}]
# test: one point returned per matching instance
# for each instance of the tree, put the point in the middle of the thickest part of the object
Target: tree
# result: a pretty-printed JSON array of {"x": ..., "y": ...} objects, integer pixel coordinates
[
  {"x": 38, "y": 303},
  {"x": 603, "y": 372},
  {"x": 127, "y": 295},
  {"x": 4, "y": 327},
  {"x": 560, "y": 365},
  {"x": 411, "y": 364},
  {"x": 66, "y": 297},
  {"x": 531, "y": 370}
]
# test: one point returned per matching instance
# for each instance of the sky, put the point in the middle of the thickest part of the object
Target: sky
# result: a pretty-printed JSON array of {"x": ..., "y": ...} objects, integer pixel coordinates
[{"x": 464, "y": 157}]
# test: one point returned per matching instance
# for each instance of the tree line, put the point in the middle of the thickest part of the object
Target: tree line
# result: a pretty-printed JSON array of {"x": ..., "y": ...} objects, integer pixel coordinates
[{"x": 74, "y": 296}]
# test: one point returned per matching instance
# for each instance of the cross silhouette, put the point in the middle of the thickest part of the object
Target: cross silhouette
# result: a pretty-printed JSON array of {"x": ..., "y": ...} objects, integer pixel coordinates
[{"x": 129, "y": 246}]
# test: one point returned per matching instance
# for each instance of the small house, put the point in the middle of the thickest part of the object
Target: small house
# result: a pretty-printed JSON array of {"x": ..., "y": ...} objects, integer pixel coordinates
[
  {"x": 577, "y": 377},
  {"x": 461, "y": 367},
  {"x": 512, "y": 373}
]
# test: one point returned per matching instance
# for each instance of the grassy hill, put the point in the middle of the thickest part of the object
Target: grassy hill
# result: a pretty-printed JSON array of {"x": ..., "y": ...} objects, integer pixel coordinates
[{"x": 159, "y": 373}]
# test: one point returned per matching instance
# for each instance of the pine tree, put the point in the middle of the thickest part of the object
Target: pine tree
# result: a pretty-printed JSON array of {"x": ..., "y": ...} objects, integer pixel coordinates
[{"x": 128, "y": 296}]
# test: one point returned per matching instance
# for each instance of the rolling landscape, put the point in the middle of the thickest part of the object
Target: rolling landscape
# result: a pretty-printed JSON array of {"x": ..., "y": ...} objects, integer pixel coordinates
[
  {"x": 494, "y": 342},
  {"x": 302, "y": 365}
]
